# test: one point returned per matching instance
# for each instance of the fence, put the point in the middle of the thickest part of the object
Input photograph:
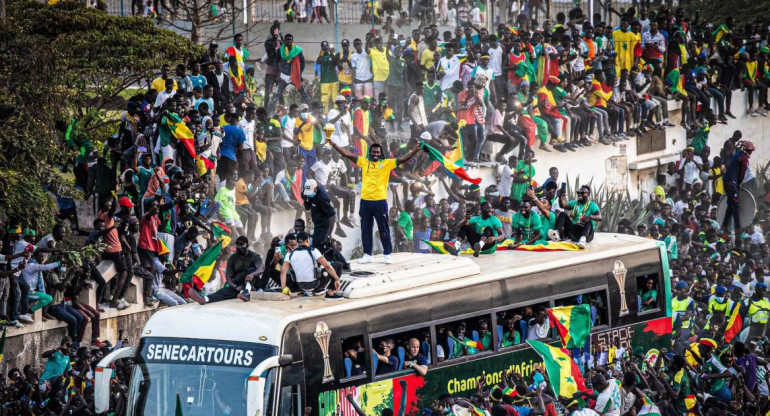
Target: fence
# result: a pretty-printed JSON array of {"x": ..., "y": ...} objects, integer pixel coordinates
[{"x": 351, "y": 11}]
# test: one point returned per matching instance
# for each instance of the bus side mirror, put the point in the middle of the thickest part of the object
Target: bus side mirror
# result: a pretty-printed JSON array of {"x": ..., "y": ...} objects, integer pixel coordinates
[
  {"x": 104, "y": 375},
  {"x": 285, "y": 360}
]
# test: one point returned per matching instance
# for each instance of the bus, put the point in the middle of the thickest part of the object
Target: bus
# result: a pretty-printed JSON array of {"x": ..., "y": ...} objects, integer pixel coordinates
[{"x": 270, "y": 357}]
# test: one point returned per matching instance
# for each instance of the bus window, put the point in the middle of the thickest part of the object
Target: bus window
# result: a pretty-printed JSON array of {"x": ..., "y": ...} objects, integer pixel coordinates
[
  {"x": 647, "y": 292},
  {"x": 597, "y": 300},
  {"x": 354, "y": 357},
  {"x": 408, "y": 347},
  {"x": 513, "y": 324},
  {"x": 464, "y": 337}
]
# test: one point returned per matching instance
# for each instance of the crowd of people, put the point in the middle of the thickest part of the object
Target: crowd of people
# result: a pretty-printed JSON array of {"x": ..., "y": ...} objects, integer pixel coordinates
[{"x": 205, "y": 153}]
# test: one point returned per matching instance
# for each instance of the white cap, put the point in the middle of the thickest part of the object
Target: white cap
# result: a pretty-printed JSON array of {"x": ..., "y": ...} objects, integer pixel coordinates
[
  {"x": 310, "y": 187},
  {"x": 426, "y": 136}
]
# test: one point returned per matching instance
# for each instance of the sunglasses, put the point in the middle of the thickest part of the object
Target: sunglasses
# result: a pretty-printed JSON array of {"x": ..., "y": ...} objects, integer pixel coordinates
[{"x": 583, "y": 193}]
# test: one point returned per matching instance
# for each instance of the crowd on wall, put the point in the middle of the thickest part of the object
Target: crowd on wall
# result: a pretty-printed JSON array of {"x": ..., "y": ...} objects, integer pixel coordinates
[{"x": 204, "y": 155}]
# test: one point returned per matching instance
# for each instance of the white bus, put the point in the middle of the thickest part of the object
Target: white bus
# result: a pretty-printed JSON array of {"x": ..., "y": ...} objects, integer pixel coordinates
[{"x": 277, "y": 357}]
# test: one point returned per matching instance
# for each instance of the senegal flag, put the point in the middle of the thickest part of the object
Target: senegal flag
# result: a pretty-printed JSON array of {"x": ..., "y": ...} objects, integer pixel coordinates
[
  {"x": 648, "y": 408},
  {"x": 734, "y": 324},
  {"x": 163, "y": 248},
  {"x": 221, "y": 232},
  {"x": 200, "y": 271},
  {"x": 437, "y": 246},
  {"x": 469, "y": 343},
  {"x": 563, "y": 373},
  {"x": 451, "y": 166},
  {"x": 573, "y": 324},
  {"x": 173, "y": 126},
  {"x": 720, "y": 32}
]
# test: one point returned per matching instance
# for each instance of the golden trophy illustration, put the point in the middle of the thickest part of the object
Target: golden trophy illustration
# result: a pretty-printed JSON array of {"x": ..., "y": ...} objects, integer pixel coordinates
[
  {"x": 619, "y": 271},
  {"x": 328, "y": 129},
  {"x": 322, "y": 334}
]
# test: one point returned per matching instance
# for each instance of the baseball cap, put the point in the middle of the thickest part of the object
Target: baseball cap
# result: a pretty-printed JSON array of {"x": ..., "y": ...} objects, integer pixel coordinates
[
  {"x": 425, "y": 136},
  {"x": 303, "y": 107},
  {"x": 720, "y": 290},
  {"x": 681, "y": 285},
  {"x": 310, "y": 187},
  {"x": 125, "y": 202},
  {"x": 340, "y": 98}
]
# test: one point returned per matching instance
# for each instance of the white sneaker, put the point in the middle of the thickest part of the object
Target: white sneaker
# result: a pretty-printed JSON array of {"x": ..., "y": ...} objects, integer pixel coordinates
[
  {"x": 554, "y": 235},
  {"x": 16, "y": 324},
  {"x": 388, "y": 260},
  {"x": 367, "y": 258},
  {"x": 582, "y": 242},
  {"x": 122, "y": 304},
  {"x": 26, "y": 319}
]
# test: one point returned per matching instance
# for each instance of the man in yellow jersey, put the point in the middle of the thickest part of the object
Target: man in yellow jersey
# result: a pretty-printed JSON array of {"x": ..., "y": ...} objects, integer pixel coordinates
[{"x": 375, "y": 172}]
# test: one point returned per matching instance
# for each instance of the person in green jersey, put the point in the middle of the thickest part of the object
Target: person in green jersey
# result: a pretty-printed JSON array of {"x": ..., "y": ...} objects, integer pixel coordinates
[
  {"x": 483, "y": 232},
  {"x": 547, "y": 217},
  {"x": 680, "y": 384},
  {"x": 578, "y": 220},
  {"x": 522, "y": 176},
  {"x": 526, "y": 224},
  {"x": 326, "y": 71}
]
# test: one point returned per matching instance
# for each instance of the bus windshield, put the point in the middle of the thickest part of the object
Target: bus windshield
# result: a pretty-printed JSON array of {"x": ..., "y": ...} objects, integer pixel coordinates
[{"x": 209, "y": 377}]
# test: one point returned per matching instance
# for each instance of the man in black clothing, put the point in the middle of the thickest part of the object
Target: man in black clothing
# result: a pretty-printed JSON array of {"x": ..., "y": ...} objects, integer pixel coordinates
[
  {"x": 101, "y": 181},
  {"x": 272, "y": 50},
  {"x": 242, "y": 268},
  {"x": 220, "y": 82},
  {"x": 321, "y": 211}
]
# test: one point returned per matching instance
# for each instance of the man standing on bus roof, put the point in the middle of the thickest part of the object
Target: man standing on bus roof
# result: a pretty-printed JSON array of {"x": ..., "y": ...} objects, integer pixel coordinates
[
  {"x": 482, "y": 231},
  {"x": 683, "y": 307},
  {"x": 735, "y": 173},
  {"x": 375, "y": 172},
  {"x": 242, "y": 268},
  {"x": 578, "y": 221},
  {"x": 414, "y": 359}
]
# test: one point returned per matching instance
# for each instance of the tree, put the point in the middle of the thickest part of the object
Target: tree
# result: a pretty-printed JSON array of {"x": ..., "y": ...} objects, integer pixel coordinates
[
  {"x": 61, "y": 62},
  {"x": 205, "y": 20}
]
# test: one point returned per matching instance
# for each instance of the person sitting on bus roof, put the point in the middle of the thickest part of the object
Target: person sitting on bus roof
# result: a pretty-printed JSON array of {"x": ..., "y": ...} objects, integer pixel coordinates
[
  {"x": 387, "y": 363},
  {"x": 578, "y": 220},
  {"x": 242, "y": 268},
  {"x": 414, "y": 359},
  {"x": 303, "y": 261},
  {"x": 539, "y": 327},
  {"x": 483, "y": 232}
]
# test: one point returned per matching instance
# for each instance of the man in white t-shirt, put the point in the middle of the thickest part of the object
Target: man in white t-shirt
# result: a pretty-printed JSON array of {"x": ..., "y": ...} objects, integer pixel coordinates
[
  {"x": 247, "y": 159},
  {"x": 287, "y": 128},
  {"x": 362, "y": 70},
  {"x": 302, "y": 261},
  {"x": 506, "y": 176},
  {"x": 496, "y": 53},
  {"x": 329, "y": 171},
  {"x": 449, "y": 67},
  {"x": 608, "y": 403},
  {"x": 343, "y": 123}
]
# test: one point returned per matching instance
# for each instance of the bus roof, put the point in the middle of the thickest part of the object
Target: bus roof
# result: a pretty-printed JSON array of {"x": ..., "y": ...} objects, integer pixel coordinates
[{"x": 408, "y": 276}]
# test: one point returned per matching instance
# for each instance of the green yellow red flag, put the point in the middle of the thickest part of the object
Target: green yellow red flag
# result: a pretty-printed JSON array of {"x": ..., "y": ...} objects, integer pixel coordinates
[{"x": 573, "y": 324}]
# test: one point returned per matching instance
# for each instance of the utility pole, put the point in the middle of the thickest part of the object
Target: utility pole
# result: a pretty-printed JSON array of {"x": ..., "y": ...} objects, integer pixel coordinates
[{"x": 336, "y": 25}]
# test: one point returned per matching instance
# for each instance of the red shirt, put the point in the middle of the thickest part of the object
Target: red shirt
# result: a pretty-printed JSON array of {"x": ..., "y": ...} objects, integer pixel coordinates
[
  {"x": 469, "y": 114},
  {"x": 148, "y": 233},
  {"x": 111, "y": 239}
]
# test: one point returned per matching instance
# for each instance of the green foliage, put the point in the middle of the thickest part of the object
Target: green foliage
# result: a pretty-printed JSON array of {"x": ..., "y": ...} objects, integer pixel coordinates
[
  {"x": 60, "y": 62},
  {"x": 716, "y": 11}
]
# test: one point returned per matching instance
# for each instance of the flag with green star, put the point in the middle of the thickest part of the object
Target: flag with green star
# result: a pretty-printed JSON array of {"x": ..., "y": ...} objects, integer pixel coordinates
[
  {"x": 563, "y": 373},
  {"x": 573, "y": 324}
]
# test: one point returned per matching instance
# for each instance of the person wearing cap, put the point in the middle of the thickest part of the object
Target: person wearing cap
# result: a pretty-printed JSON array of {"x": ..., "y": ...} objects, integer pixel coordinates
[
  {"x": 375, "y": 174},
  {"x": 735, "y": 173},
  {"x": 322, "y": 213},
  {"x": 719, "y": 303},
  {"x": 757, "y": 309},
  {"x": 302, "y": 261},
  {"x": 242, "y": 267},
  {"x": 342, "y": 120},
  {"x": 716, "y": 374},
  {"x": 326, "y": 73},
  {"x": 330, "y": 172},
  {"x": 683, "y": 307}
]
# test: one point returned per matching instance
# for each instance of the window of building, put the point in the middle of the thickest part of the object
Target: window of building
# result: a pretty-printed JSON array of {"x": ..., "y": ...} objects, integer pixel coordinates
[{"x": 464, "y": 337}]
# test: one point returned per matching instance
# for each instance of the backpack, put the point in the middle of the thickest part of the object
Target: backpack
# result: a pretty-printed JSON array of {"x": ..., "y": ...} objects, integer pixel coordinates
[{"x": 318, "y": 270}]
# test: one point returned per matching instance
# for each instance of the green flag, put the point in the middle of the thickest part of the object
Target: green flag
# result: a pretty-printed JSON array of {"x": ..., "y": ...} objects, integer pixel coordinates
[
  {"x": 178, "y": 411},
  {"x": 200, "y": 271},
  {"x": 573, "y": 324}
]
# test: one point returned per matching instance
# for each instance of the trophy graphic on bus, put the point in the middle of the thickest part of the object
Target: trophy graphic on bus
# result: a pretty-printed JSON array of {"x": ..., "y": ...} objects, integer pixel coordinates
[
  {"x": 322, "y": 334},
  {"x": 619, "y": 271}
]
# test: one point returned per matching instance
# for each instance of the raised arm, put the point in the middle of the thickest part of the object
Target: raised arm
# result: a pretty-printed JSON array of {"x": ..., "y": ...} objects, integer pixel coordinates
[
  {"x": 406, "y": 157},
  {"x": 344, "y": 152}
]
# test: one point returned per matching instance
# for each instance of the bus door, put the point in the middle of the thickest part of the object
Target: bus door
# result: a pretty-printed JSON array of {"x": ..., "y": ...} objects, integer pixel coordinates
[{"x": 292, "y": 378}]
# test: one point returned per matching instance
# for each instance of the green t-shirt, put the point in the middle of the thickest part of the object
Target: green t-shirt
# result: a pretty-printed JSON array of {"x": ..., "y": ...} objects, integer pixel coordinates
[
  {"x": 396, "y": 74},
  {"x": 650, "y": 294},
  {"x": 511, "y": 338},
  {"x": 328, "y": 69},
  {"x": 526, "y": 226},
  {"x": 672, "y": 246},
  {"x": 713, "y": 366},
  {"x": 431, "y": 96},
  {"x": 681, "y": 385},
  {"x": 546, "y": 224},
  {"x": 583, "y": 210},
  {"x": 143, "y": 179},
  {"x": 519, "y": 189},
  {"x": 226, "y": 199},
  {"x": 481, "y": 223},
  {"x": 405, "y": 222}
]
